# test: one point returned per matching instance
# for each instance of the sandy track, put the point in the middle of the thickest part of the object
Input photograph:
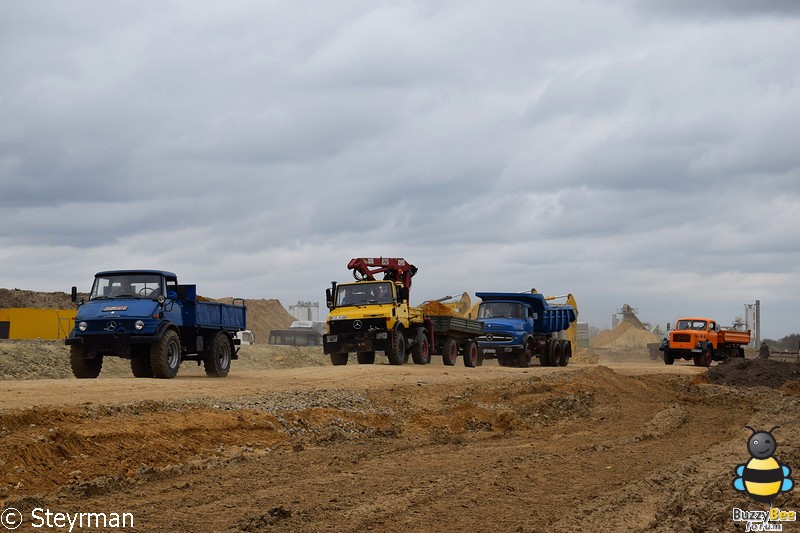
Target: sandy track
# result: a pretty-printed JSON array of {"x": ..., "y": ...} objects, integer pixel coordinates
[{"x": 634, "y": 446}]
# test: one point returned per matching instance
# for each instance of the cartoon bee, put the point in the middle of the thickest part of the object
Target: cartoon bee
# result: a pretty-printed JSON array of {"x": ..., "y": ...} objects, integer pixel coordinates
[{"x": 762, "y": 477}]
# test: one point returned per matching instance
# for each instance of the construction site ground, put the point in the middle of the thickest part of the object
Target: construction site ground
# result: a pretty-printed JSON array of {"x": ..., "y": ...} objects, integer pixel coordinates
[{"x": 287, "y": 442}]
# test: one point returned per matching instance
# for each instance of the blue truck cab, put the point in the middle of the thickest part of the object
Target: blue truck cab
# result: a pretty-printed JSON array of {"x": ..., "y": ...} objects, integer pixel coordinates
[
  {"x": 148, "y": 317},
  {"x": 520, "y": 326}
]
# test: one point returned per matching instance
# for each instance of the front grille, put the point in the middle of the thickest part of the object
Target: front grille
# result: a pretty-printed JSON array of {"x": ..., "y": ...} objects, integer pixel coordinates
[
  {"x": 496, "y": 337},
  {"x": 681, "y": 337},
  {"x": 348, "y": 326}
]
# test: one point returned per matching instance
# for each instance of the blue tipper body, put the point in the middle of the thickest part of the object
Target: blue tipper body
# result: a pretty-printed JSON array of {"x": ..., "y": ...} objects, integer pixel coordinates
[{"x": 546, "y": 319}]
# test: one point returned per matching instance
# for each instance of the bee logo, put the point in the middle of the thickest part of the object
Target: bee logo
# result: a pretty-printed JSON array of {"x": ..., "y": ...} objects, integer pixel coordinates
[{"x": 762, "y": 477}]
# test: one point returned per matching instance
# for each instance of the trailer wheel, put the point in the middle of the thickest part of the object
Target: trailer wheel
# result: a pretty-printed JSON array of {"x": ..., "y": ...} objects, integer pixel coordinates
[
  {"x": 366, "y": 358},
  {"x": 420, "y": 352},
  {"x": 218, "y": 362},
  {"x": 449, "y": 351},
  {"x": 566, "y": 353},
  {"x": 165, "y": 355},
  {"x": 668, "y": 357},
  {"x": 544, "y": 357},
  {"x": 140, "y": 366},
  {"x": 472, "y": 357},
  {"x": 339, "y": 359},
  {"x": 84, "y": 367}
]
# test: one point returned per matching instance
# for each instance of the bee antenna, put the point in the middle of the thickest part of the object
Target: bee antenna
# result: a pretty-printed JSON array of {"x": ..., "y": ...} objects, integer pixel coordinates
[
  {"x": 773, "y": 429},
  {"x": 751, "y": 429}
]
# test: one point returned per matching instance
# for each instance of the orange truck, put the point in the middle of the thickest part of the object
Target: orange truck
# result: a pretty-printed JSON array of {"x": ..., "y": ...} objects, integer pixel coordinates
[{"x": 702, "y": 340}]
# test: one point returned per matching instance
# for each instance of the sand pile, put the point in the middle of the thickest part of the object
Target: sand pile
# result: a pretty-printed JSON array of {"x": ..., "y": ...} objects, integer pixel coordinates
[
  {"x": 10, "y": 298},
  {"x": 437, "y": 309},
  {"x": 625, "y": 336},
  {"x": 263, "y": 316}
]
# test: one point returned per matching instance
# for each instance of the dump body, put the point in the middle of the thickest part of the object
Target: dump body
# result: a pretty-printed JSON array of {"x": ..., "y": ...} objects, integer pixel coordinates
[
  {"x": 520, "y": 326},
  {"x": 703, "y": 341},
  {"x": 130, "y": 313}
]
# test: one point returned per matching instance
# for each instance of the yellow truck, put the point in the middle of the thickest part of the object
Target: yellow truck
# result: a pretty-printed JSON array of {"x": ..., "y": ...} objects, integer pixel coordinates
[
  {"x": 372, "y": 315},
  {"x": 703, "y": 340}
]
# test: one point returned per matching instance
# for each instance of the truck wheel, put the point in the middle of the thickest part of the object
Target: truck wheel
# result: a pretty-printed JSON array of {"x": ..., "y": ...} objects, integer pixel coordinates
[
  {"x": 472, "y": 356},
  {"x": 218, "y": 362},
  {"x": 83, "y": 367},
  {"x": 504, "y": 360},
  {"x": 420, "y": 352},
  {"x": 339, "y": 359},
  {"x": 397, "y": 351},
  {"x": 366, "y": 358},
  {"x": 449, "y": 351},
  {"x": 706, "y": 357},
  {"x": 141, "y": 368},
  {"x": 525, "y": 356},
  {"x": 544, "y": 357},
  {"x": 566, "y": 353},
  {"x": 165, "y": 355},
  {"x": 554, "y": 353},
  {"x": 668, "y": 357}
]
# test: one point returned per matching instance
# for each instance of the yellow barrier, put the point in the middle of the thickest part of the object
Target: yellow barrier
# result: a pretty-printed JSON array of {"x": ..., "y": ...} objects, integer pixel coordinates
[{"x": 27, "y": 323}]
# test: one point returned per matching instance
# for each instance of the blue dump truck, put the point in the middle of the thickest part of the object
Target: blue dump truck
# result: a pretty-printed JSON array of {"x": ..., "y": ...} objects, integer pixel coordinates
[
  {"x": 147, "y": 317},
  {"x": 520, "y": 326}
]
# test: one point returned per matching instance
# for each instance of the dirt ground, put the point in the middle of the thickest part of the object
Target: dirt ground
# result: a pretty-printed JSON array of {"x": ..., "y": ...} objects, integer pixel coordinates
[{"x": 289, "y": 443}]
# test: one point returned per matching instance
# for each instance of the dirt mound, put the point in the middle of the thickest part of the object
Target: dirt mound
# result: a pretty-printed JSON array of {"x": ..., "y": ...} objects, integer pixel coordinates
[
  {"x": 625, "y": 336},
  {"x": 40, "y": 300},
  {"x": 263, "y": 316},
  {"x": 754, "y": 373}
]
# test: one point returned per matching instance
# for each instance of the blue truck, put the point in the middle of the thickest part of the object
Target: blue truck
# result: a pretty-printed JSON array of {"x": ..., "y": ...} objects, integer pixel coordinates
[
  {"x": 147, "y": 317},
  {"x": 520, "y": 326}
]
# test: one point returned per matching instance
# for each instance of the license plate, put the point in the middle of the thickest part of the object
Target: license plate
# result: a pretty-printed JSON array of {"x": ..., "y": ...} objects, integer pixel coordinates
[{"x": 489, "y": 350}]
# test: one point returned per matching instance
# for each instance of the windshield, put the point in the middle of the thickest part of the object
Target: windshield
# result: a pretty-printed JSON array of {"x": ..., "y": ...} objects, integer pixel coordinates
[
  {"x": 364, "y": 294},
  {"x": 501, "y": 310},
  {"x": 126, "y": 286},
  {"x": 691, "y": 324}
]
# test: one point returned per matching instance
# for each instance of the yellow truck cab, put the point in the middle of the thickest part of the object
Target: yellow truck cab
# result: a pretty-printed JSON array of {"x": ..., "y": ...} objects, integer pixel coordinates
[{"x": 703, "y": 340}]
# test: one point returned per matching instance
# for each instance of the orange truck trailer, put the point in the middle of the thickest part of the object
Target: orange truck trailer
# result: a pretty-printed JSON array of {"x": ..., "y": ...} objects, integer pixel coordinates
[{"x": 702, "y": 340}]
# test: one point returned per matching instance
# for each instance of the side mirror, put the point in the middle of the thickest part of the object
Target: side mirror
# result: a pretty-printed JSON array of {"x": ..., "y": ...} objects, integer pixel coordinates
[
  {"x": 328, "y": 298},
  {"x": 74, "y": 294},
  {"x": 403, "y": 294}
]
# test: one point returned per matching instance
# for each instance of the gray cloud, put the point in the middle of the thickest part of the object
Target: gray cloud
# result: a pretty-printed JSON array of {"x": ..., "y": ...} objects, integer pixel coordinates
[{"x": 629, "y": 152}]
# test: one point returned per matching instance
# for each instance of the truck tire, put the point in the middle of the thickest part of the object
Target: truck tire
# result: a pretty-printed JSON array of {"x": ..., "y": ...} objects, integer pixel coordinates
[
  {"x": 505, "y": 360},
  {"x": 141, "y": 368},
  {"x": 706, "y": 356},
  {"x": 472, "y": 355},
  {"x": 366, "y": 358},
  {"x": 420, "y": 352},
  {"x": 339, "y": 359},
  {"x": 165, "y": 355},
  {"x": 566, "y": 353},
  {"x": 218, "y": 362},
  {"x": 449, "y": 351},
  {"x": 396, "y": 353},
  {"x": 554, "y": 353},
  {"x": 525, "y": 356},
  {"x": 84, "y": 367},
  {"x": 668, "y": 357},
  {"x": 544, "y": 357}
]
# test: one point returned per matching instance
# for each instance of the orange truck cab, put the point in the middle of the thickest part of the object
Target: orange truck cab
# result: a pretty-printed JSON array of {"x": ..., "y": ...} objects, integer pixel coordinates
[{"x": 702, "y": 340}]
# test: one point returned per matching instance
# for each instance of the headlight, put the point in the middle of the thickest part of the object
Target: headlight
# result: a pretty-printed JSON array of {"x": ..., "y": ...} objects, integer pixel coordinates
[
  {"x": 138, "y": 324},
  {"x": 332, "y": 338},
  {"x": 382, "y": 335},
  {"x": 82, "y": 326}
]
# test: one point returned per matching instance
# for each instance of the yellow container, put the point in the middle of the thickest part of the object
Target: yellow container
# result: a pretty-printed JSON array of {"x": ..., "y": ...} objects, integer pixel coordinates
[{"x": 28, "y": 323}]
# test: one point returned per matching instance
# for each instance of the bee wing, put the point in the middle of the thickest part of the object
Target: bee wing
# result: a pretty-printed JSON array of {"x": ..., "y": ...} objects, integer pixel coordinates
[{"x": 738, "y": 484}]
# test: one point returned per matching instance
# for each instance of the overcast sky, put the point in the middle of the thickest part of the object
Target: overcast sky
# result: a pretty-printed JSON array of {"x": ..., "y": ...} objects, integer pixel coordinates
[{"x": 632, "y": 151}]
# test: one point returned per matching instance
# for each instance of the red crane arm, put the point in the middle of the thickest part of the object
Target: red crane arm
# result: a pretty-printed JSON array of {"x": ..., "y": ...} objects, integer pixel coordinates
[{"x": 393, "y": 268}]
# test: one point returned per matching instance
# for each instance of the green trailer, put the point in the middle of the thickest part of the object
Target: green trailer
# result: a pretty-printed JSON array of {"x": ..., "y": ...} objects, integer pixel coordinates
[{"x": 453, "y": 336}]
